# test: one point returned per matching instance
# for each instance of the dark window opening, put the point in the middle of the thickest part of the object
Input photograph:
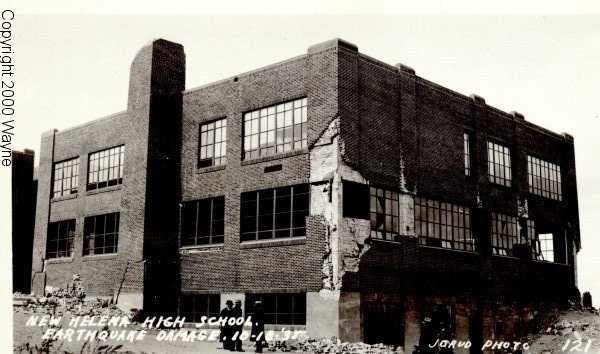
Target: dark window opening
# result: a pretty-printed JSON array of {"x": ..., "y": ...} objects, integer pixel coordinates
[
  {"x": 193, "y": 307},
  {"x": 203, "y": 222},
  {"x": 101, "y": 234},
  {"x": 356, "y": 200},
  {"x": 280, "y": 309}
]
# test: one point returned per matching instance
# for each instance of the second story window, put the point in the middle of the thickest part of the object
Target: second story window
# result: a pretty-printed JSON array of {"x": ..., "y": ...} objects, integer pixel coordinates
[
  {"x": 65, "y": 178},
  {"x": 384, "y": 214},
  {"x": 543, "y": 247},
  {"x": 60, "y": 239},
  {"x": 275, "y": 213},
  {"x": 203, "y": 222},
  {"x": 443, "y": 224},
  {"x": 275, "y": 129},
  {"x": 467, "y": 148},
  {"x": 101, "y": 234},
  {"x": 544, "y": 178},
  {"x": 504, "y": 234},
  {"x": 499, "y": 165},
  {"x": 105, "y": 168},
  {"x": 213, "y": 143}
]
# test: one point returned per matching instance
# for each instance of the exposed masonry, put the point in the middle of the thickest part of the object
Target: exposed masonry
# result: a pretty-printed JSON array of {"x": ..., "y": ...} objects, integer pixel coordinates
[{"x": 347, "y": 238}]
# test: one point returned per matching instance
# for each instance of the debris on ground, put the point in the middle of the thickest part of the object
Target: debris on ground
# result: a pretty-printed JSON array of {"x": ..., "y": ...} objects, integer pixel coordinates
[{"x": 332, "y": 346}]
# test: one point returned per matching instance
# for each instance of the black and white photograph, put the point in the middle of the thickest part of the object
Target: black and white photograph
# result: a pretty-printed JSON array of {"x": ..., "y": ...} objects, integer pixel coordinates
[{"x": 300, "y": 177}]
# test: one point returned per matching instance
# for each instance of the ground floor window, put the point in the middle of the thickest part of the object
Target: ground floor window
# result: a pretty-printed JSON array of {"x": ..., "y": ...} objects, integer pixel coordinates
[
  {"x": 194, "y": 306},
  {"x": 60, "y": 239},
  {"x": 101, "y": 234},
  {"x": 280, "y": 309}
]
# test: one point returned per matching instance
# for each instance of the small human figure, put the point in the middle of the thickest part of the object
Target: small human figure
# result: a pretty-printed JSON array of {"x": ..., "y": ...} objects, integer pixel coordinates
[
  {"x": 428, "y": 337},
  {"x": 258, "y": 326},
  {"x": 237, "y": 312},
  {"x": 226, "y": 331}
]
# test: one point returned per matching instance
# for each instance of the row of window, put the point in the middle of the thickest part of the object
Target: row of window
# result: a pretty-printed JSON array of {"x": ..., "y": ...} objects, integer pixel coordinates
[
  {"x": 443, "y": 224},
  {"x": 265, "y": 214},
  {"x": 100, "y": 236},
  {"x": 279, "y": 309},
  {"x": 544, "y": 177},
  {"x": 105, "y": 168}
]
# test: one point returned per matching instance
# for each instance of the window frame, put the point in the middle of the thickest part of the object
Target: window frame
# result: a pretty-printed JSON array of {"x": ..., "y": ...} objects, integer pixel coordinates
[
  {"x": 196, "y": 316},
  {"x": 298, "y": 307},
  {"x": 254, "y": 203},
  {"x": 504, "y": 167},
  {"x": 74, "y": 179},
  {"x": 429, "y": 212},
  {"x": 468, "y": 153},
  {"x": 93, "y": 237},
  {"x": 120, "y": 166},
  {"x": 374, "y": 205},
  {"x": 541, "y": 249},
  {"x": 545, "y": 184},
  {"x": 214, "y": 161},
  {"x": 252, "y": 126},
  {"x": 214, "y": 201},
  {"x": 69, "y": 240}
]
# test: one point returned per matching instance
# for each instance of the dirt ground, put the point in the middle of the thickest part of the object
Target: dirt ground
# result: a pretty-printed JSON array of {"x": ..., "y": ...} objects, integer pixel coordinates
[{"x": 574, "y": 332}]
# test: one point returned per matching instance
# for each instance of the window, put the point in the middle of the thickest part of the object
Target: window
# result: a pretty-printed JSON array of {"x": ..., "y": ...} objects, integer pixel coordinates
[
  {"x": 280, "y": 309},
  {"x": 101, "y": 234},
  {"x": 193, "y": 307},
  {"x": 443, "y": 224},
  {"x": 504, "y": 234},
  {"x": 275, "y": 213},
  {"x": 544, "y": 178},
  {"x": 543, "y": 247},
  {"x": 65, "y": 178},
  {"x": 60, "y": 239},
  {"x": 203, "y": 222},
  {"x": 213, "y": 143},
  {"x": 384, "y": 214},
  {"x": 467, "y": 148},
  {"x": 275, "y": 129},
  {"x": 105, "y": 168},
  {"x": 499, "y": 165}
]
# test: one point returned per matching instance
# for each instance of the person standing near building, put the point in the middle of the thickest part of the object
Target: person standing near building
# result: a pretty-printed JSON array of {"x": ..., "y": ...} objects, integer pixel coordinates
[
  {"x": 226, "y": 330},
  {"x": 236, "y": 313},
  {"x": 258, "y": 326}
]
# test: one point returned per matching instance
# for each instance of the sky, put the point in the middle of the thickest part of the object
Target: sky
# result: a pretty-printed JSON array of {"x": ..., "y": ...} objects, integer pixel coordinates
[{"x": 541, "y": 59}]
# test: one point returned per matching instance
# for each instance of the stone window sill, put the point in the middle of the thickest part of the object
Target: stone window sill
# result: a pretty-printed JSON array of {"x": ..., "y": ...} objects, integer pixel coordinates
[
  {"x": 64, "y": 197},
  {"x": 274, "y": 243},
  {"x": 210, "y": 169},
  {"x": 98, "y": 257},
  {"x": 201, "y": 249},
  {"x": 59, "y": 260},
  {"x": 105, "y": 189},
  {"x": 275, "y": 157}
]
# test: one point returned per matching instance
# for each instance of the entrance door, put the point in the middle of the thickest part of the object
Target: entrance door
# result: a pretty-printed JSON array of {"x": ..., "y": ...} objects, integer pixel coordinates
[{"x": 382, "y": 323}]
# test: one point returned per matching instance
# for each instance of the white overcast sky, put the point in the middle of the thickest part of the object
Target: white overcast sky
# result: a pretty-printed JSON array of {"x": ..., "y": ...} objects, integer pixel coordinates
[{"x": 540, "y": 58}]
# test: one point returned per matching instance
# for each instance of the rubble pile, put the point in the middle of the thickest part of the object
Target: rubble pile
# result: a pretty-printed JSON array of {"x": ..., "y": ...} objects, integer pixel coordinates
[
  {"x": 70, "y": 301},
  {"x": 332, "y": 346},
  {"x": 577, "y": 325}
]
